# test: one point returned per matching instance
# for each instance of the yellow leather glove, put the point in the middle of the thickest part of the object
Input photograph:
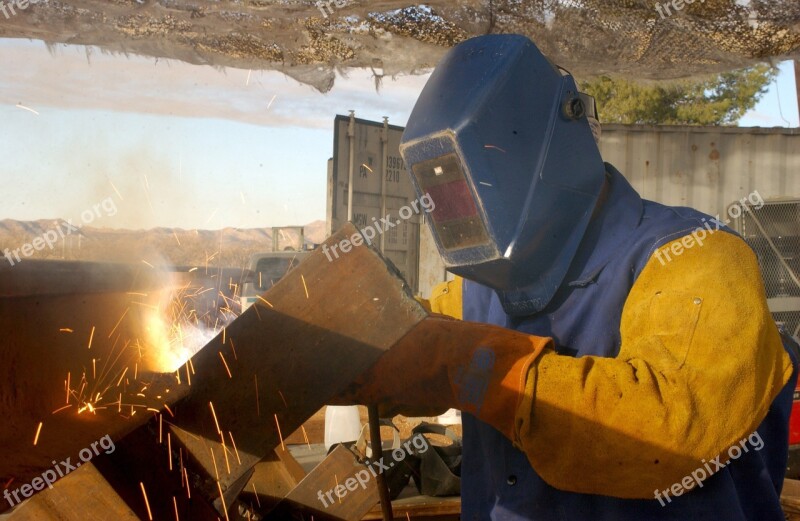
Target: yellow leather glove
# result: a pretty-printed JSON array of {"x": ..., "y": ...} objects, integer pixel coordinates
[{"x": 444, "y": 363}]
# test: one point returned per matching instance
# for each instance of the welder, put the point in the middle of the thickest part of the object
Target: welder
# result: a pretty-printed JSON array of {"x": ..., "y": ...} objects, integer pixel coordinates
[{"x": 594, "y": 380}]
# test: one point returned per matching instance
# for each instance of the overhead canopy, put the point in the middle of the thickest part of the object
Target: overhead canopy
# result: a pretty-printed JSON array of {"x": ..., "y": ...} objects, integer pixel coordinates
[{"x": 588, "y": 37}]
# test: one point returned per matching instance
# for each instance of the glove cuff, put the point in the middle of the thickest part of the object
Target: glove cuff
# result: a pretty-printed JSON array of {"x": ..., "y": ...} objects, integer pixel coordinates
[{"x": 491, "y": 385}]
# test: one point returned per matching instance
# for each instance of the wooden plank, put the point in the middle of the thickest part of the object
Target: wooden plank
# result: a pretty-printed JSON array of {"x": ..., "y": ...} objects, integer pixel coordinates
[
  {"x": 790, "y": 498},
  {"x": 140, "y": 458},
  {"x": 317, "y": 494},
  {"x": 272, "y": 480},
  {"x": 82, "y": 495},
  {"x": 293, "y": 468},
  {"x": 421, "y": 507},
  {"x": 320, "y": 327}
]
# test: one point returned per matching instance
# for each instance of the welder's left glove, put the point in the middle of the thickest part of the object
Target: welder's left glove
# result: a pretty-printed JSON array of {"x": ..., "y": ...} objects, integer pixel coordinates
[{"x": 445, "y": 363}]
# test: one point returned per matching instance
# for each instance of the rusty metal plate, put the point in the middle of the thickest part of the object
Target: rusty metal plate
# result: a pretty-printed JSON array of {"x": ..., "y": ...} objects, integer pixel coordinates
[{"x": 311, "y": 335}]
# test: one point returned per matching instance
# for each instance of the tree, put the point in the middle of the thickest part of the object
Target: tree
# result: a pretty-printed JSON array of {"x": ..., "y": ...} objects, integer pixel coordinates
[{"x": 720, "y": 100}]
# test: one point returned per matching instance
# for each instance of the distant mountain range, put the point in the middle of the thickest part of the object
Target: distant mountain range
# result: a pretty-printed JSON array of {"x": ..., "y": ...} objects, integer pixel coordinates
[{"x": 229, "y": 247}]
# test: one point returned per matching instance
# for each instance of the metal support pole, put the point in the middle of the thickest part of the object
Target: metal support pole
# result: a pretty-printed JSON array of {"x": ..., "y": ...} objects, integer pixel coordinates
[
  {"x": 351, "y": 136},
  {"x": 797, "y": 81},
  {"x": 384, "y": 168},
  {"x": 377, "y": 451}
]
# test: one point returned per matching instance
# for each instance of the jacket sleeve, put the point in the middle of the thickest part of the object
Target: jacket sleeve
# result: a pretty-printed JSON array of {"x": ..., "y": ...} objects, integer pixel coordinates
[
  {"x": 446, "y": 298},
  {"x": 700, "y": 362}
]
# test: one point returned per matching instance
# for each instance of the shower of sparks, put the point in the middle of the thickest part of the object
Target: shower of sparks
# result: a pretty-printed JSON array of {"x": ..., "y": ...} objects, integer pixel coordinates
[
  {"x": 367, "y": 167},
  {"x": 283, "y": 399},
  {"x": 227, "y": 369},
  {"x": 225, "y": 453},
  {"x": 212, "y": 215},
  {"x": 214, "y": 414},
  {"x": 279, "y": 432},
  {"x": 258, "y": 501},
  {"x": 235, "y": 450},
  {"x": 304, "y": 284},
  {"x": 167, "y": 337},
  {"x": 122, "y": 376},
  {"x": 265, "y": 301},
  {"x": 38, "y": 431},
  {"x": 23, "y": 107},
  {"x": 180, "y": 457},
  {"x": 258, "y": 408},
  {"x": 484, "y": 184},
  {"x": 119, "y": 321},
  {"x": 146, "y": 502},
  {"x": 175, "y": 504},
  {"x": 188, "y": 488},
  {"x": 115, "y": 190},
  {"x": 222, "y": 498},
  {"x": 305, "y": 436},
  {"x": 169, "y": 450},
  {"x": 247, "y": 83},
  {"x": 270, "y": 101},
  {"x": 495, "y": 147},
  {"x": 214, "y": 460}
]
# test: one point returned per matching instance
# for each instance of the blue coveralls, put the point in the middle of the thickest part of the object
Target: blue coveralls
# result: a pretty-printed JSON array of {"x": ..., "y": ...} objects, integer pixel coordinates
[{"x": 583, "y": 318}]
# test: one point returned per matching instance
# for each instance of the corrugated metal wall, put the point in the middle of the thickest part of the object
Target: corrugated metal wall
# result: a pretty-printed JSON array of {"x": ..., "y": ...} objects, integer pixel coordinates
[{"x": 706, "y": 168}]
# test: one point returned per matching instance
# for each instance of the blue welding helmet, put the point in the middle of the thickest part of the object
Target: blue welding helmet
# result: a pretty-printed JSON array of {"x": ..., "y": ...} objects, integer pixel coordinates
[{"x": 500, "y": 141}]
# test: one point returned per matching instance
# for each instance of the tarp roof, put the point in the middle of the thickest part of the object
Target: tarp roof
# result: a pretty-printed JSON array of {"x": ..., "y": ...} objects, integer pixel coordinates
[{"x": 309, "y": 40}]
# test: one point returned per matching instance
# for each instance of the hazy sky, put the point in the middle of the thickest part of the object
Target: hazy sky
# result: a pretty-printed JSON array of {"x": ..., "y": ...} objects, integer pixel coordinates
[
  {"x": 214, "y": 148},
  {"x": 190, "y": 146}
]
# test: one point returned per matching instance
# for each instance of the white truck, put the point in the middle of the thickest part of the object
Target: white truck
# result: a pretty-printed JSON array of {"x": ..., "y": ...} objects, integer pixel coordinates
[{"x": 267, "y": 269}]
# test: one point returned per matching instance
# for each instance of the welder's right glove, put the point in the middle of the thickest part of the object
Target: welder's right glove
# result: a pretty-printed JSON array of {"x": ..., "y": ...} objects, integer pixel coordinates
[{"x": 445, "y": 363}]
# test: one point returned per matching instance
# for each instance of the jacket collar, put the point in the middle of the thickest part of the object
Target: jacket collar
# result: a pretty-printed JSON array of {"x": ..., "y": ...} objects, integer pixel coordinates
[{"x": 610, "y": 228}]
